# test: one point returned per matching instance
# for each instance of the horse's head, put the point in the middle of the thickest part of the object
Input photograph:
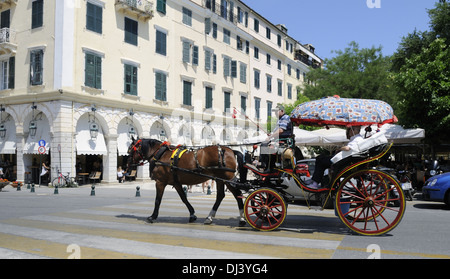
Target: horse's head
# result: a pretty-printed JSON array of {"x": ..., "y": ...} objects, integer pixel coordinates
[
  {"x": 135, "y": 155},
  {"x": 142, "y": 150}
]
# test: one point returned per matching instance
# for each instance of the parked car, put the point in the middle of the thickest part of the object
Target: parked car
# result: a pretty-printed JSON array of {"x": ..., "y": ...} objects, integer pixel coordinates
[{"x": 437, "y": 188}]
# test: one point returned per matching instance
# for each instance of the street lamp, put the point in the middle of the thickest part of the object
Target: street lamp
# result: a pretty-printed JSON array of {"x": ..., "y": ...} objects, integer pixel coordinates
[
  {"x": 33, "y": 124},
  {"x": 131, "y": 130},
  {"x": 93, "y": 127},
  {"x": 2, "y": 125},
  {"x": 2, "y": 131},
  {"x": 93, "y": 130}
]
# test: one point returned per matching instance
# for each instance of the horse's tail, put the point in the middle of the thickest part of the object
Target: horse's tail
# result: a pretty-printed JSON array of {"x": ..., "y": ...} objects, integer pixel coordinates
[{"x": 241, "y": 169}]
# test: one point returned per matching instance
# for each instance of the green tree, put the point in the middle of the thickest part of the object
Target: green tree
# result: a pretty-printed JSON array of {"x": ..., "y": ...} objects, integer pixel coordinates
[
  {"x": 420, "y": 71},
  {"x": 353, "y": 73},
  {"x": 424, "y": 99}
]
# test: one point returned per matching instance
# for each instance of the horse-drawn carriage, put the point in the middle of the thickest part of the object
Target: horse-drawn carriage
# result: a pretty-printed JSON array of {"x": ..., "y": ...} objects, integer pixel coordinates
[{"x": 368, "y": 201}]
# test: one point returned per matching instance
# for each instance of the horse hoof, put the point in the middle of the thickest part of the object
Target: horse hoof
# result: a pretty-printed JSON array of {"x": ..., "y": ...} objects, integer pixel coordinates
[
  {"x": 208, "y": 221},
  {"x": 150, "y": 220},
  {"x": 242, "y": 223},
  {"x": 192, "y": 219}
]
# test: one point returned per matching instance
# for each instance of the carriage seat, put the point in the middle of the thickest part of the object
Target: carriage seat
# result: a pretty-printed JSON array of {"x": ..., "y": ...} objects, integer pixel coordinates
[{"x": 364, "y": 147}]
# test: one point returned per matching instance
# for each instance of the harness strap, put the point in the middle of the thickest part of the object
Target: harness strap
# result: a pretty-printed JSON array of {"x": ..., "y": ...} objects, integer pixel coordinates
[{"x": 174, "y": 159}]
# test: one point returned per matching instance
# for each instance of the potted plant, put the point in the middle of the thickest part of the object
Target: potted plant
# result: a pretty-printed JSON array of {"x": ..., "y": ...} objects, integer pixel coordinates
[
  {"x": 3, "y": 183},
  {"x": 15, "y": 184}
]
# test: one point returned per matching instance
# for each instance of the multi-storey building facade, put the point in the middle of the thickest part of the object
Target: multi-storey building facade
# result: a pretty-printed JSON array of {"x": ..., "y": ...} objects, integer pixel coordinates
[{"x": 86, "y": 75}]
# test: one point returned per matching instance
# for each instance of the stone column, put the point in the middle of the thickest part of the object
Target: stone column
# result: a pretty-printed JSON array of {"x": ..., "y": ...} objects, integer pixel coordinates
[
  {"x": 20, "y": 143},
  {"x": 110, "y": 160}
]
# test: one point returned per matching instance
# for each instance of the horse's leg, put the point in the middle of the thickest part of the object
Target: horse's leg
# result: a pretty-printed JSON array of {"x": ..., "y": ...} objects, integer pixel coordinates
[
  {"x": 238, "y": 196},
  {"x": 182, "y": 194},
  {"x": 220, "y": 195},
  {"x": 159, "y": 194}
]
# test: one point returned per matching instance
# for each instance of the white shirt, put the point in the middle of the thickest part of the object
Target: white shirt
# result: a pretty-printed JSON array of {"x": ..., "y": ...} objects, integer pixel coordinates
[{"x": 354, "y": 141}]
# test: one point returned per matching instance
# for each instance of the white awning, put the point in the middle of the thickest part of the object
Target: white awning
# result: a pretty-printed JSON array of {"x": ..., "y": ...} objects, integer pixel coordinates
[
  {"x": 88, "y": 146},
  {"x": 123, "y": 142},
  {"x": 8, "y": 144},
  {"x": 42, "y": 133}
]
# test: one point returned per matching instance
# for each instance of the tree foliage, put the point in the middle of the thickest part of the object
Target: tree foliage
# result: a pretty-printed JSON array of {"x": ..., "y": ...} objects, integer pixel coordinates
[
  {"x": 421, "y": 72},
  {"x": 353, "y": 73}
]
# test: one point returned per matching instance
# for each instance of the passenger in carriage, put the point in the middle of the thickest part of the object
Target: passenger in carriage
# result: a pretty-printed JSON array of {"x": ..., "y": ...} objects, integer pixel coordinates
[{"x": 324, "y": 162}]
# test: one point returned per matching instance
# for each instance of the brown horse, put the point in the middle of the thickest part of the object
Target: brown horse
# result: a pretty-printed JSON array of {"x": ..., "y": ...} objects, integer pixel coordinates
[{"x": 169, "y": 167}]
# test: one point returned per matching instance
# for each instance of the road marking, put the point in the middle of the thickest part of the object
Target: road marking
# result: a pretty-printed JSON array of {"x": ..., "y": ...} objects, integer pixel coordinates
[{"x": 120, "y": 232}]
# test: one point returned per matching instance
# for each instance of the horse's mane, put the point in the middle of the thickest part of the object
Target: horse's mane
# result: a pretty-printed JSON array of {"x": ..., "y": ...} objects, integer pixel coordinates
[{"x": 149, "y": 143}]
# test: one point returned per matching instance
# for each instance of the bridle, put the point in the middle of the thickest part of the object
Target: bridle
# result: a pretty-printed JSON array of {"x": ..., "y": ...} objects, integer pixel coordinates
[{"x": 137, "y": 147}]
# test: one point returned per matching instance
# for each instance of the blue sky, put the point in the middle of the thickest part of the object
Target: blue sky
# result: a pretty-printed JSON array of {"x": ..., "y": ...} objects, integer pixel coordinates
[{"x": 332, "y": 24}]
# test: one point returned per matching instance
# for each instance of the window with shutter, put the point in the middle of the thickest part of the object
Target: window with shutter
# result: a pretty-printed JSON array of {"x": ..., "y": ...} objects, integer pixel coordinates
[
  {"x": 186, "y": 52},
  {"x": 93, "y": 71},
  {"x": 209, "y": 98},
  {"x": 37, "y": 14},
  {"x": 131, "y": 31},
  {"x": 161, "y": 86},
  {"x": 243, "y": 74},
  {"x": 161, "y": 6},
  {"x": 195, "y": 55},
  {"x": 130, "y": 79},
  {"x": 36, "y": 67},
  {"x": 161, "y": 43},
  {"x": 226, "y": 66},
  {"x": 187, "y": 16},
  {"x": 207, "y": 25},
  {"x": 187, "y": 93},
  {"x": 207, "y": 60},
  {"x": 227, "y": 102},
  {"x": 233, "y": 69},
  {"x": 94, "y": 18}
]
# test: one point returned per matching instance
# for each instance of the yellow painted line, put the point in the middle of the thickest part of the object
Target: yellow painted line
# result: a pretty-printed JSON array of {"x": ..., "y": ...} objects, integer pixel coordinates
[
  {"x": 57, "y": 250},
  {"x": 398, "y": 253},
  {"x": 184, "y": 241},
  {"x": 199, "y": 225}
]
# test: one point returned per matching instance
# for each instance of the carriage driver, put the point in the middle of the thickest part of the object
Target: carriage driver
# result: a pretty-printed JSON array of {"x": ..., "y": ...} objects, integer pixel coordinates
[
  {"x": 283, "y": 130},
  {"x": 284, "y": 127}
]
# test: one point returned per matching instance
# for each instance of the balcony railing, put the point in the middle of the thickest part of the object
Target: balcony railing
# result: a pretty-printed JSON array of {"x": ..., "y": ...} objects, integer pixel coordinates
[
  {"x": 7, "y": 41},
  {"x": 143, "y": 9},
  {"x": 6, "y": 35},
  {"x": 222, "y": 11}
]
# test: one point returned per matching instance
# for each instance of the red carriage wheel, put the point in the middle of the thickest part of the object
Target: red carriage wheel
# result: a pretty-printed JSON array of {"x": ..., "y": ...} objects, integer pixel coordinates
[
  {"x": 370, "y": 202},
  {"x": 265, "y": 209}
]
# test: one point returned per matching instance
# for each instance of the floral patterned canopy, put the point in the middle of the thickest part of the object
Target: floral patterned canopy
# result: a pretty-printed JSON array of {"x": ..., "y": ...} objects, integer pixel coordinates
[{"x": 343, "y": 112}]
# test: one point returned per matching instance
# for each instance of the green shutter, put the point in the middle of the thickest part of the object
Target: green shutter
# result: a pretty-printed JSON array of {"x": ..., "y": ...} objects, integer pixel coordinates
[
  {"x": 98, "y": 72},
  {"x": 227, "y": 102},
  {"x": 195, "y": 55},
  {"x": 233, "y": 69},
  {"x": 207, "y": 60},
  {"x": 209, "y": 98},
  {"x": 161, "y": 43},
  {"x": 161, "y": 6},
  {"x": 160, "y": 92},
  {"x": 89, "y": 70},
  {"x": 207, "y": 25},
  {"x": 130, "y": 80},
  {"x": 186, "y": 49},
  {"x": 226, "y": 66},
  {"x": 131, "y": 31},
  {"x": 187, "y": 93},
  {"x": 12, "y": 71},
  {"x": 37, "y": 14},
  {"x": 243, "y": 75}
]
